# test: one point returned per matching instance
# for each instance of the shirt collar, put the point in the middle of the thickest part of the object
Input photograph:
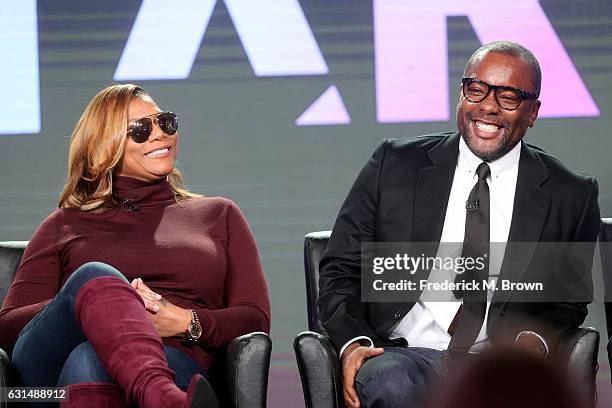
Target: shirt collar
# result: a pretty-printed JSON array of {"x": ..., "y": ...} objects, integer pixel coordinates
[{"x": 468, "y": 161}]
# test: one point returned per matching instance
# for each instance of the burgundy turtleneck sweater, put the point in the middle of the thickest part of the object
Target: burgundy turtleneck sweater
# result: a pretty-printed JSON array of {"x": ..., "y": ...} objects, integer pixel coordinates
[{"x": 198, "y": 253}]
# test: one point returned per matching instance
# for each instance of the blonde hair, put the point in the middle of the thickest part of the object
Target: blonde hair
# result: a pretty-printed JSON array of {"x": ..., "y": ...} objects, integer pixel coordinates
[{"x": 97, "y": 145}]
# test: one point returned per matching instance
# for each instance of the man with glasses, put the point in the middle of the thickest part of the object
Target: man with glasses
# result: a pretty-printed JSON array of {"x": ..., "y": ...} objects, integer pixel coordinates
[{"x": 481, "y": 184}]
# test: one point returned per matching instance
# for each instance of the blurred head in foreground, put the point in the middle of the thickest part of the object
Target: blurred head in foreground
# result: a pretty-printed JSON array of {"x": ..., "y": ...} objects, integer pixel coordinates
[{"x": 507, "y": 377}]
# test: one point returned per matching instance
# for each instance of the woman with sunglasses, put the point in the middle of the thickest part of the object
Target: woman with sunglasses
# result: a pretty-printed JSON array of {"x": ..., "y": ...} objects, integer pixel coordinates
[{"x": 124, "y": 290}]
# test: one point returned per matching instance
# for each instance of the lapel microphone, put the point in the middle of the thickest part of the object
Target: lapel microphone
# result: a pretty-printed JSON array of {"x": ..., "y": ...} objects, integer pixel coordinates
[
  {"x": 130, "y": 206},
  {"x": 473, "y": 205}
]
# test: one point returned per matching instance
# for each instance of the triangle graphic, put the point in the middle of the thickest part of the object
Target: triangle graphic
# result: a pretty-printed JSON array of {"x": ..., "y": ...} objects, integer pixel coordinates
[{"x": 328, "y": 109}]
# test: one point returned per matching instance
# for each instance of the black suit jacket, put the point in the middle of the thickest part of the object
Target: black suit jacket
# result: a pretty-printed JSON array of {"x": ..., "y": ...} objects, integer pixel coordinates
[{"x": 401, "y": 195}]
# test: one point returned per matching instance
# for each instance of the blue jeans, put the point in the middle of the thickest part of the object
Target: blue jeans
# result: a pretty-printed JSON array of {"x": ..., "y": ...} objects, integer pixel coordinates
[
  {"x": 53, "y": 350},
  {"x": 400, "y": 377}
]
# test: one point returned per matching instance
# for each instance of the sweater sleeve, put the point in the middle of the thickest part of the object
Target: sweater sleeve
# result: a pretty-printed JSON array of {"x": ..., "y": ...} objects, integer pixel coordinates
[
  {"x": 247, "y": 305},
  {"x": 36, "y": 282}
]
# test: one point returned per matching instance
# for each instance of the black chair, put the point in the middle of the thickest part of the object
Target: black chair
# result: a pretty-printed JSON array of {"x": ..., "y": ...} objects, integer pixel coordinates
[
  {"x": 320, "y": 368},
  {"x": 239, "y": 374},
  {"x": 605, "y": 248}
]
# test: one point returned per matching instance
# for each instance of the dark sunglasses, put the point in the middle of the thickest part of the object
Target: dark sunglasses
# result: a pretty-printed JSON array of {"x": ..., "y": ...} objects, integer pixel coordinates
[{"x": 140, "y": 130}]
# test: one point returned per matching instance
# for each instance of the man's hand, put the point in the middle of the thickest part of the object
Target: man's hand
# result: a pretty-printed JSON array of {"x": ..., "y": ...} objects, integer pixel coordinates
[
  {"x": 168, "y": 319},
  {"x": 352, "y": 359}
]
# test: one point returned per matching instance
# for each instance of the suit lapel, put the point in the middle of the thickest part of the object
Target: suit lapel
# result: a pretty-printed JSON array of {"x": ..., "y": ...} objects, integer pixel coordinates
[
  {"x": 531, "y": 206},
  {"x": 433, "y": 185}
]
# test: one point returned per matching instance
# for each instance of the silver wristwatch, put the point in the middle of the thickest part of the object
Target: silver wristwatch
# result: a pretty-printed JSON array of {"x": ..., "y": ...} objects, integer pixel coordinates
[{"x": 194, "y": 330}]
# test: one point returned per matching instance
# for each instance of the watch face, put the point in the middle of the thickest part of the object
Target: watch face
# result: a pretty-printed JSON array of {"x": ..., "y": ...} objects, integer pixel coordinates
[{"x": 195, "y": 330}]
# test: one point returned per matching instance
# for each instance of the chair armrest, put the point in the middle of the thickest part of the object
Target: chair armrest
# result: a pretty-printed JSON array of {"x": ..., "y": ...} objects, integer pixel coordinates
[
  {"x": 319, "y": 368},
  {"x": 7, "y": 371},
  {"x": 610, "y": 354},
  {"x": 247, "y": 368},
  {"x": 579, "y": 353}
]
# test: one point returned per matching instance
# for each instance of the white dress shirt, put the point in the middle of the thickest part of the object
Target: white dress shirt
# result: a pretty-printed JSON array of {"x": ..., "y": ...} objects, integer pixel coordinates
[{"x": 426, "y": 324}]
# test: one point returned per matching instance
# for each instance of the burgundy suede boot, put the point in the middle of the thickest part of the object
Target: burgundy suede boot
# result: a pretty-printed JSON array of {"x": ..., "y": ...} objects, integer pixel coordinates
[
  {"x": 110, "y": 395},
  {"x": 94, "y": 395},
  {"x": 115, "y": 322},
  {"x": 200, "y": 394}
]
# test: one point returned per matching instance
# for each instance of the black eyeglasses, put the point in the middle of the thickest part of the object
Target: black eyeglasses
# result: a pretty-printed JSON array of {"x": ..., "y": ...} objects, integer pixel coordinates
[
  {"x": 140, "y": 130},
  {"x": 507, "y": 97}
]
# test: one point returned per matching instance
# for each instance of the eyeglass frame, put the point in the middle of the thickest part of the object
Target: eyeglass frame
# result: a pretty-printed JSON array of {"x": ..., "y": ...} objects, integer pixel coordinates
[
  {"x": 154, "y": 122},
  {"x": 525, "y": 95}
]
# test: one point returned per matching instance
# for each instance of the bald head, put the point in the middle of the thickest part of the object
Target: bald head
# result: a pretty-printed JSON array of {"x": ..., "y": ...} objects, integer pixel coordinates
[{"x": 511, "y": 49}]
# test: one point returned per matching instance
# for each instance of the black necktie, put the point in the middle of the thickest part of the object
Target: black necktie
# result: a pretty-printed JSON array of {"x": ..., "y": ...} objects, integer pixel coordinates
[{"x": 470, "y": 317}]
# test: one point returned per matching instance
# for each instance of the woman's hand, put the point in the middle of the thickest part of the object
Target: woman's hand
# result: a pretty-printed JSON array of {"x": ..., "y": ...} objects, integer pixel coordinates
[{"x": 168, "y": 319}]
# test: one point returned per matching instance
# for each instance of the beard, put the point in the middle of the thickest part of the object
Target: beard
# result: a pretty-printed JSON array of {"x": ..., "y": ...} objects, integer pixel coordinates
[{"x": 497, "y": 147}]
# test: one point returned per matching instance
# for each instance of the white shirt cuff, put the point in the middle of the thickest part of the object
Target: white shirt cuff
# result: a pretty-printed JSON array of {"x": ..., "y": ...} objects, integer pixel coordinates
[
  {"x": 535, "y": 334},
  {"x": 348, "y": 343}
]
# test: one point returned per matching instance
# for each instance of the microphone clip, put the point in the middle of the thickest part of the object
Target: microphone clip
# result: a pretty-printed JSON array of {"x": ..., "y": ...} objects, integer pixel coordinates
[
  {"x": 473, "y": 205},
  {"x": 130, "y": 206}
]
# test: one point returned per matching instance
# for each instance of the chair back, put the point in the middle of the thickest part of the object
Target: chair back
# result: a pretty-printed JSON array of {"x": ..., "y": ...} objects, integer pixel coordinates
[
  {"x": 314, "y": 247},
  {"x": 605, "y": 249},
  {"x": 10, "y": 257}
]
